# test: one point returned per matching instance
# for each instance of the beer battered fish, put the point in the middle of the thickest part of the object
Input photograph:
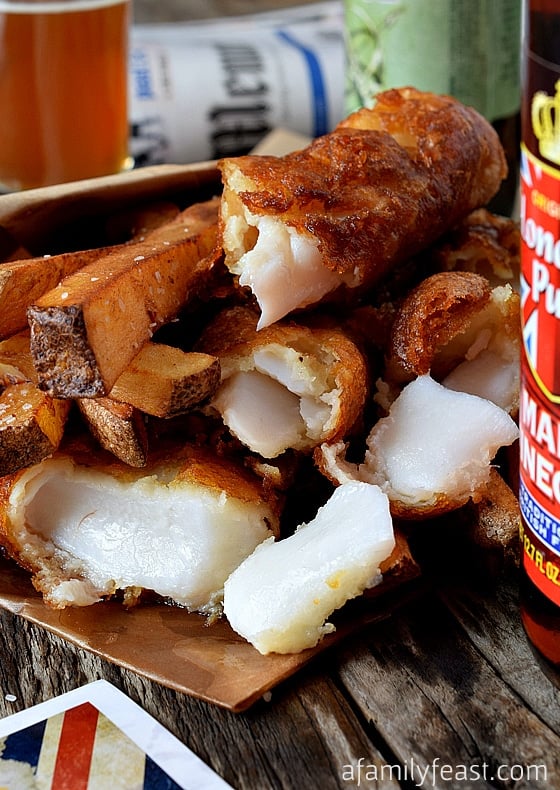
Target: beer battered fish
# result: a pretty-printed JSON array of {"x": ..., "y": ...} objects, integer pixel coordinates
[
  {"x": 339, "y": 214},
  {"x": 88, "y": 526},
  {"x": 288, "y": 386}
]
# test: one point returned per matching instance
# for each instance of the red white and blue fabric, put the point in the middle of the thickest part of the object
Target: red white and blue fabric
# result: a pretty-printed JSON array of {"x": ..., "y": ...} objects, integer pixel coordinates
[{"x": 79, "y": 749}]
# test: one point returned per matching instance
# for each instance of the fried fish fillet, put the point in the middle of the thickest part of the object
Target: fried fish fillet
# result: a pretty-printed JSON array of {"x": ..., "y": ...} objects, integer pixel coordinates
[
  {"x": 484, "y": 243},
  {"x": 466, "y": 334},
  {"x": 87, "y": 526},
  {"x": 288, "y": 386},
  {"x": 432, "y": 453},
  {"x": 384, "y": 185}
]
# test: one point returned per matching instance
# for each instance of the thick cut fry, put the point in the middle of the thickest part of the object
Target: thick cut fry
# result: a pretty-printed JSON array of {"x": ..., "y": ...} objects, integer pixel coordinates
[
  {"x": 24, "y": 281},
  {"x": 484, "y": 243},
  {"x": 31, "y": 426},
  {"x": 164, "y": 381},
  {"x": 87, "y": 330},
  {"x": 16, "y": 362},
  {"x": 118, "y": 427}
]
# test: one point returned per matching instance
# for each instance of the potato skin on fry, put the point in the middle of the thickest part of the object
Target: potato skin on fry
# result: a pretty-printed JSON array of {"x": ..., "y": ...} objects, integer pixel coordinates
[
  {"x": 87, "y": 330},
  {"x": 164, "y": 381},
  {"x": 119, "y": 427},
  {"x": 31, "y": 426}
]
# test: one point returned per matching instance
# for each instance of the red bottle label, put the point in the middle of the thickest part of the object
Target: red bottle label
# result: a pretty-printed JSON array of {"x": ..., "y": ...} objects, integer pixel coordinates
[{"x": 539, "y": 493}]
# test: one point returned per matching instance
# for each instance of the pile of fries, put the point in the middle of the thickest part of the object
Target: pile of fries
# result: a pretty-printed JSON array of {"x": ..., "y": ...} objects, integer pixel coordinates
[{"x": 128, "y": 344}]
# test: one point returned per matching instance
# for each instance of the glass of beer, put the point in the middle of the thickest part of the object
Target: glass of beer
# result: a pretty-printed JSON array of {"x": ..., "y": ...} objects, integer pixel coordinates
[{"x": 63, "y": 90}]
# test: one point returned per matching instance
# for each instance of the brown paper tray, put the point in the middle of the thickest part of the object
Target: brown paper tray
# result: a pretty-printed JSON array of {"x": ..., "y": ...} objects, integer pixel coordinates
[
  {"x": 178, "y": 649},
  {"x": 163, "y": 643}
]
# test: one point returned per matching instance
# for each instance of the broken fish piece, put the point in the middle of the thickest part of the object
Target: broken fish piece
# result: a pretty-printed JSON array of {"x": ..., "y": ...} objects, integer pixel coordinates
[
  {"x": 340, "y": 213},
  {"x": 280, "y": 596},
  {"x": 87, "y": 526},
  {"x": 462, "y": 332},
  {"x": 433, "y": 451},
  {"x": 288, "y": 386}
]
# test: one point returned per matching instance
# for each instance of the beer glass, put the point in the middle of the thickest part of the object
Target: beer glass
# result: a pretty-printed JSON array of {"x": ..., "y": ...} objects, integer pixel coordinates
[{"x": 63, "y": 90}]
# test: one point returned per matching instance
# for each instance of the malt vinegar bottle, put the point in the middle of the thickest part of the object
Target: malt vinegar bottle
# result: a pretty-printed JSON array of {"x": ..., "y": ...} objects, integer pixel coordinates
[{"x": 540, "y": 364}]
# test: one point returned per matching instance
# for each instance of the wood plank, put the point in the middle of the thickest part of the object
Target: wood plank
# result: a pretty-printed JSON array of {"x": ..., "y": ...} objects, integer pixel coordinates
[
  {"x": 431, "y": 694},
  {"x": 494, "y": 627}
]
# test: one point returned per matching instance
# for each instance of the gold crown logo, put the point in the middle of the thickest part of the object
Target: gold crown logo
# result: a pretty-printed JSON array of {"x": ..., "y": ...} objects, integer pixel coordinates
[{"x": 545, "y": 120}]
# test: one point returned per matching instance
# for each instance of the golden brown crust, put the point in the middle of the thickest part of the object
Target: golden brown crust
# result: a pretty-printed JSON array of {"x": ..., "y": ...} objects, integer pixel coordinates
[
  {"x": 429, "y": 317},
  {"x": 483, "y": 243},
  {"x": 400, "y": 566},
  {"x": 494, "y": 522},
  {"x": 370, "y": 200}
]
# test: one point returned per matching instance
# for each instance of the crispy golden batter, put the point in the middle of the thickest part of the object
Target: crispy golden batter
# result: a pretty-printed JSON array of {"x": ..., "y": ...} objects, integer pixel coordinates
[
  {"x": 383, "y": 186},
  {"x": 431, "y": 315},
  {"x": 483, "y": 243},
  {"x": 305, "y": 384},
  {"x": 212, "y": 502}
]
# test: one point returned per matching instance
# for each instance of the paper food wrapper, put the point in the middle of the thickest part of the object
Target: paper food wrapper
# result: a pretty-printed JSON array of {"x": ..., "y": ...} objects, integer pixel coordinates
[{"x": 163, "y": 643}]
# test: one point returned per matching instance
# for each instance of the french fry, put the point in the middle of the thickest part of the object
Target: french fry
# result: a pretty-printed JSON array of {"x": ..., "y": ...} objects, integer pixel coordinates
[
  {"x": 24, "y": 279},
  {"x": 164, "y": 381},
  {"x": 118, "y": 427},
  {"x": 87, "y": 330},
  {"x": 31, "y": 426},
  {"x": 16, "y": 362}
]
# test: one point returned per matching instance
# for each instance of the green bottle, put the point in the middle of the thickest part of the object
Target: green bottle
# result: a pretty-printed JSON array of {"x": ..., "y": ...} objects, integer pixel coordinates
[{"x": 469, "y": 49}]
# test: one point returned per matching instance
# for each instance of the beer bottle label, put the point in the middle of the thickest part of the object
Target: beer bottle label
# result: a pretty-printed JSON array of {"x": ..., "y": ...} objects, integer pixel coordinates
[
  {"x": 539, "y": 493},
  {"x": 467, "y": 49}
]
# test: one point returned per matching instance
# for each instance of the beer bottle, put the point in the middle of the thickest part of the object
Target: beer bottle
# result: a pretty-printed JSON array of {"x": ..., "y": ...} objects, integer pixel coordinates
[
  {"x": 539, "y": 417},
  {"x": 466, "y": 48}
]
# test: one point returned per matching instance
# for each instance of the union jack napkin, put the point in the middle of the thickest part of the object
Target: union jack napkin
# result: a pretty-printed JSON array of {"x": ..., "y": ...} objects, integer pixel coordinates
[{"x": 94, "y": 738}]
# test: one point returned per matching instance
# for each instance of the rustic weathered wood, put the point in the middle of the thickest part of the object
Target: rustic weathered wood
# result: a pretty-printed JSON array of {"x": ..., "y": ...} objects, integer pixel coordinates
[{"x": 447, "y": 678}]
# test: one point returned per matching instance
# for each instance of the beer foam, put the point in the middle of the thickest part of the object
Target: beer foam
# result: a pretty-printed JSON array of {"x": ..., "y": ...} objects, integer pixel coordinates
[{"x": 56, "y": 7}]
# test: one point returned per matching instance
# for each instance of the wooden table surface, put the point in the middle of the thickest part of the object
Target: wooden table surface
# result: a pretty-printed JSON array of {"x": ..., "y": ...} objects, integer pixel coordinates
[{"x": 446, "y": 689}]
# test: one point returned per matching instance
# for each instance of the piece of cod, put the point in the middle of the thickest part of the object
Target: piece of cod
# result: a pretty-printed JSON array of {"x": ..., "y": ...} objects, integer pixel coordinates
[
  {"x": 87, "y": 526},
  {"x": 287, "y": 386},
  {"x": 339, "y": 214},
  {"x": 280, "y": 597}
]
